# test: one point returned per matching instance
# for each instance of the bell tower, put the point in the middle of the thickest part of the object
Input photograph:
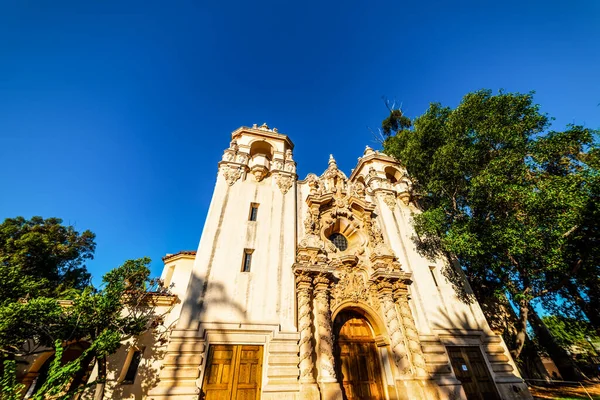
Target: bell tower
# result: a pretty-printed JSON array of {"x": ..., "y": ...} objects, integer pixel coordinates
[{"x": 238, "y": 310}]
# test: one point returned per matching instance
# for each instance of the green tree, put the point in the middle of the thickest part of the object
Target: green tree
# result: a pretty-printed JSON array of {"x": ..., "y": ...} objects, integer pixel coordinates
[
  {"x": 570, "y": 332},
  {"x": 40, "y": 260},
  {"x": 42, "y": 257},
  {"x": 500, "y": 194},
  {"x": 122, "y": 308},
  {"x": 41, "y": 265}
]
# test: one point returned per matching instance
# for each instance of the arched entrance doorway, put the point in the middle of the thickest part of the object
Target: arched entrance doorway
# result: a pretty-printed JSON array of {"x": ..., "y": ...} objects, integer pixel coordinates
[{"x": 357, "y": 361}]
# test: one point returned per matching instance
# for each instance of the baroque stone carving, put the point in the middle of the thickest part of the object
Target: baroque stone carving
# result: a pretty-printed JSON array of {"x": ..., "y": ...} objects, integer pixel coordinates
[
  {"x": 389, "y": 199},
  {"x": 351, "y": 286},
  {"x": 393, "y": 325},
  {"x": 327, "y": 371},
  {"x": 242, "y": 158},
  {"x": 359, "y": 190},
  {"x": 277, "y": 165},
  {"x": 231, "y": 174},
  {"x": 312, "y": 224},
  {"x": 259, "y": 173},
  {"x": 410, "y": 330},
  {"x": 304, "y": 292},
  {"x": 290, "y": 166},
  {"x": 284, "y": 182}
]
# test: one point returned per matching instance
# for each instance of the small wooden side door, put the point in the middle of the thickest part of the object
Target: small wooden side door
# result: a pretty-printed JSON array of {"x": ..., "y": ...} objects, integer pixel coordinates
[
  {"x": 233, "y": 372},
  {"x": 470, "y": 369}
]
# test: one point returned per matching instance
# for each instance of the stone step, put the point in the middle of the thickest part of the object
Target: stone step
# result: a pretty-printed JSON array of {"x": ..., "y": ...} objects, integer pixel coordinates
[
  {"x": 502, "y": 368},
  {"x": 498, "y": 358},
  {"x": 172, "y": 382},
  {"x": 435, "y": 358},
  {"x": 491, "y": 349},
  {"x": 283, "y": 359},
  {"x": 183, "y": 359},
  {"x": 286, "y": 336},
  {"x": 277, "y": 346},
  {"x": 179, "y": 373},
  {"x": 186, "y": 347},
  {"x": 160, "y": 392},
  {"x": 283, "y": 371}
]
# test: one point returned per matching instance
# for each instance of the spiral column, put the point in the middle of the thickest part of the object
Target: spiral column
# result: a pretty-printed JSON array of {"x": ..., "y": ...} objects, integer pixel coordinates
[
  {"x": 304, "y": 293},
  {"x": 399, "y": 351},
  {"x": 410, "y": 330},
  {"x": 326, "y": 364}
]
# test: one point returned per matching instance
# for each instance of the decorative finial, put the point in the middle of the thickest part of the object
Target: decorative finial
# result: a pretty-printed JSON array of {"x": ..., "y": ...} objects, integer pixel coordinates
[
  {"x": 332, "y": 160},
  {"x": 368, "y": 151},
  {"x": 264, "y": 126}
]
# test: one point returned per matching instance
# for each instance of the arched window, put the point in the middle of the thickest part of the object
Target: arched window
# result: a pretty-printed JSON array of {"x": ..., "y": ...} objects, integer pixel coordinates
[
  {"x": 339, "y": 241},
  {"x": 263, "y": 148},
  {"x": 392, "y": 174}
]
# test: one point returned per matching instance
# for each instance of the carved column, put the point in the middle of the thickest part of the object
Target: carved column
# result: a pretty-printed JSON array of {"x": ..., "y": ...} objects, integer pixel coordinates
[
  {"x": 399, "y": 351},
  {"x": 330, "y": 388},
  {"x": 410, "y": 329},
  {"x": 304, "y": 292},
  {"x": 326, "y": 370}
]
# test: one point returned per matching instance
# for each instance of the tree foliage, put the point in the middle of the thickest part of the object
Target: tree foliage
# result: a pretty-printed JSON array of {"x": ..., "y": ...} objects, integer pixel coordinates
[
  {"x": 514, "y": 203},
  {"x": 42, "y": 257},
  {"x": 43, "y": 264},
  {"x": 571, "y": 332}
]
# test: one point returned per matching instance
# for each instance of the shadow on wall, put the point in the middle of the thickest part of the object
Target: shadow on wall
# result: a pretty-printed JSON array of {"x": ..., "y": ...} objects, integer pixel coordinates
[
  {"x": 430, "y": 248},
  {"x": 204, "y": 295},
  {"x": 457, "y": 321},
  {"x": 154, "y": 349}
]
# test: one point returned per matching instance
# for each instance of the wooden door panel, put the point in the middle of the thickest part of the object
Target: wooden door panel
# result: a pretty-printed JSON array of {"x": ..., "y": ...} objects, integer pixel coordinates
[
  {"x": 357, "y": 361},
  {"x": 470, "y": 368},
  {"x": 233, "y": 372}
]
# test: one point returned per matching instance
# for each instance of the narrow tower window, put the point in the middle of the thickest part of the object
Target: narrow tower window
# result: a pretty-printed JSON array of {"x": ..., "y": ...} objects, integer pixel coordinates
[
  {"x": 253, "y": 211},
  {"x": 132, "y": 368},
  {"x": 432, "y": 269},
  {"x": 247, "y": 260}
]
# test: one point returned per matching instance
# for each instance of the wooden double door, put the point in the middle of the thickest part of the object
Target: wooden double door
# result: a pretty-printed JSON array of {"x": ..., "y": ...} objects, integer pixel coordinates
[
  {"x": 470, "y": 369},
  {"x": 357, "y": 361},
  {"x": 233, "y": 372}
]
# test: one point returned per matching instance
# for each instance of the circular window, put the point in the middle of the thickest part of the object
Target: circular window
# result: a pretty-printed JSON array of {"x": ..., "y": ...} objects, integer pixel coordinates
[{"x": 339, "y": 241}]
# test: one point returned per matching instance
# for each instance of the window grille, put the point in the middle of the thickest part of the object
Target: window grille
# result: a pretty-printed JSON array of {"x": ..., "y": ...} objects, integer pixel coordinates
[{"x": 339, "y": 241}]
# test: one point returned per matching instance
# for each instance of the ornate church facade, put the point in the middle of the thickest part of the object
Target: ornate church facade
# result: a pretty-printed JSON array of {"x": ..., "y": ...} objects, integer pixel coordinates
[{"x": 314, "y": 289}]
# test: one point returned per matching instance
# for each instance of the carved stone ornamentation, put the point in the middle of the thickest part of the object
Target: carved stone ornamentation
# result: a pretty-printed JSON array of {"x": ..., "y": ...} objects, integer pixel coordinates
[
  {"x": 290, "y": 166},
  {"x": 259, "y": 173},
  {"x": 284, "y": 182},
  {"x": 228, "y": 155},
  {"x": 312, "y": 224},
  {"x": 359, "y": 190},
  {"x": 394, "y": 328},
  {"x": 410, "y": 330},
  {"x": 231, "y": 174},
  {"x": 351, "y": 286},
  {"x": 304, "y": 293},
  {"x": 326, "y": 367},
  {"x": 277, "y": 165},
  {"x": 389, "y": 199},
  {"x": 375, "y": 235},
  {"x": 242, "y": 158}
]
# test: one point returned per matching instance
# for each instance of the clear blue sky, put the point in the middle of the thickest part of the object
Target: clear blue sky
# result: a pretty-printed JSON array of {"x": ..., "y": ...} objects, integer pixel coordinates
[{"x": 114, "y": 114}]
